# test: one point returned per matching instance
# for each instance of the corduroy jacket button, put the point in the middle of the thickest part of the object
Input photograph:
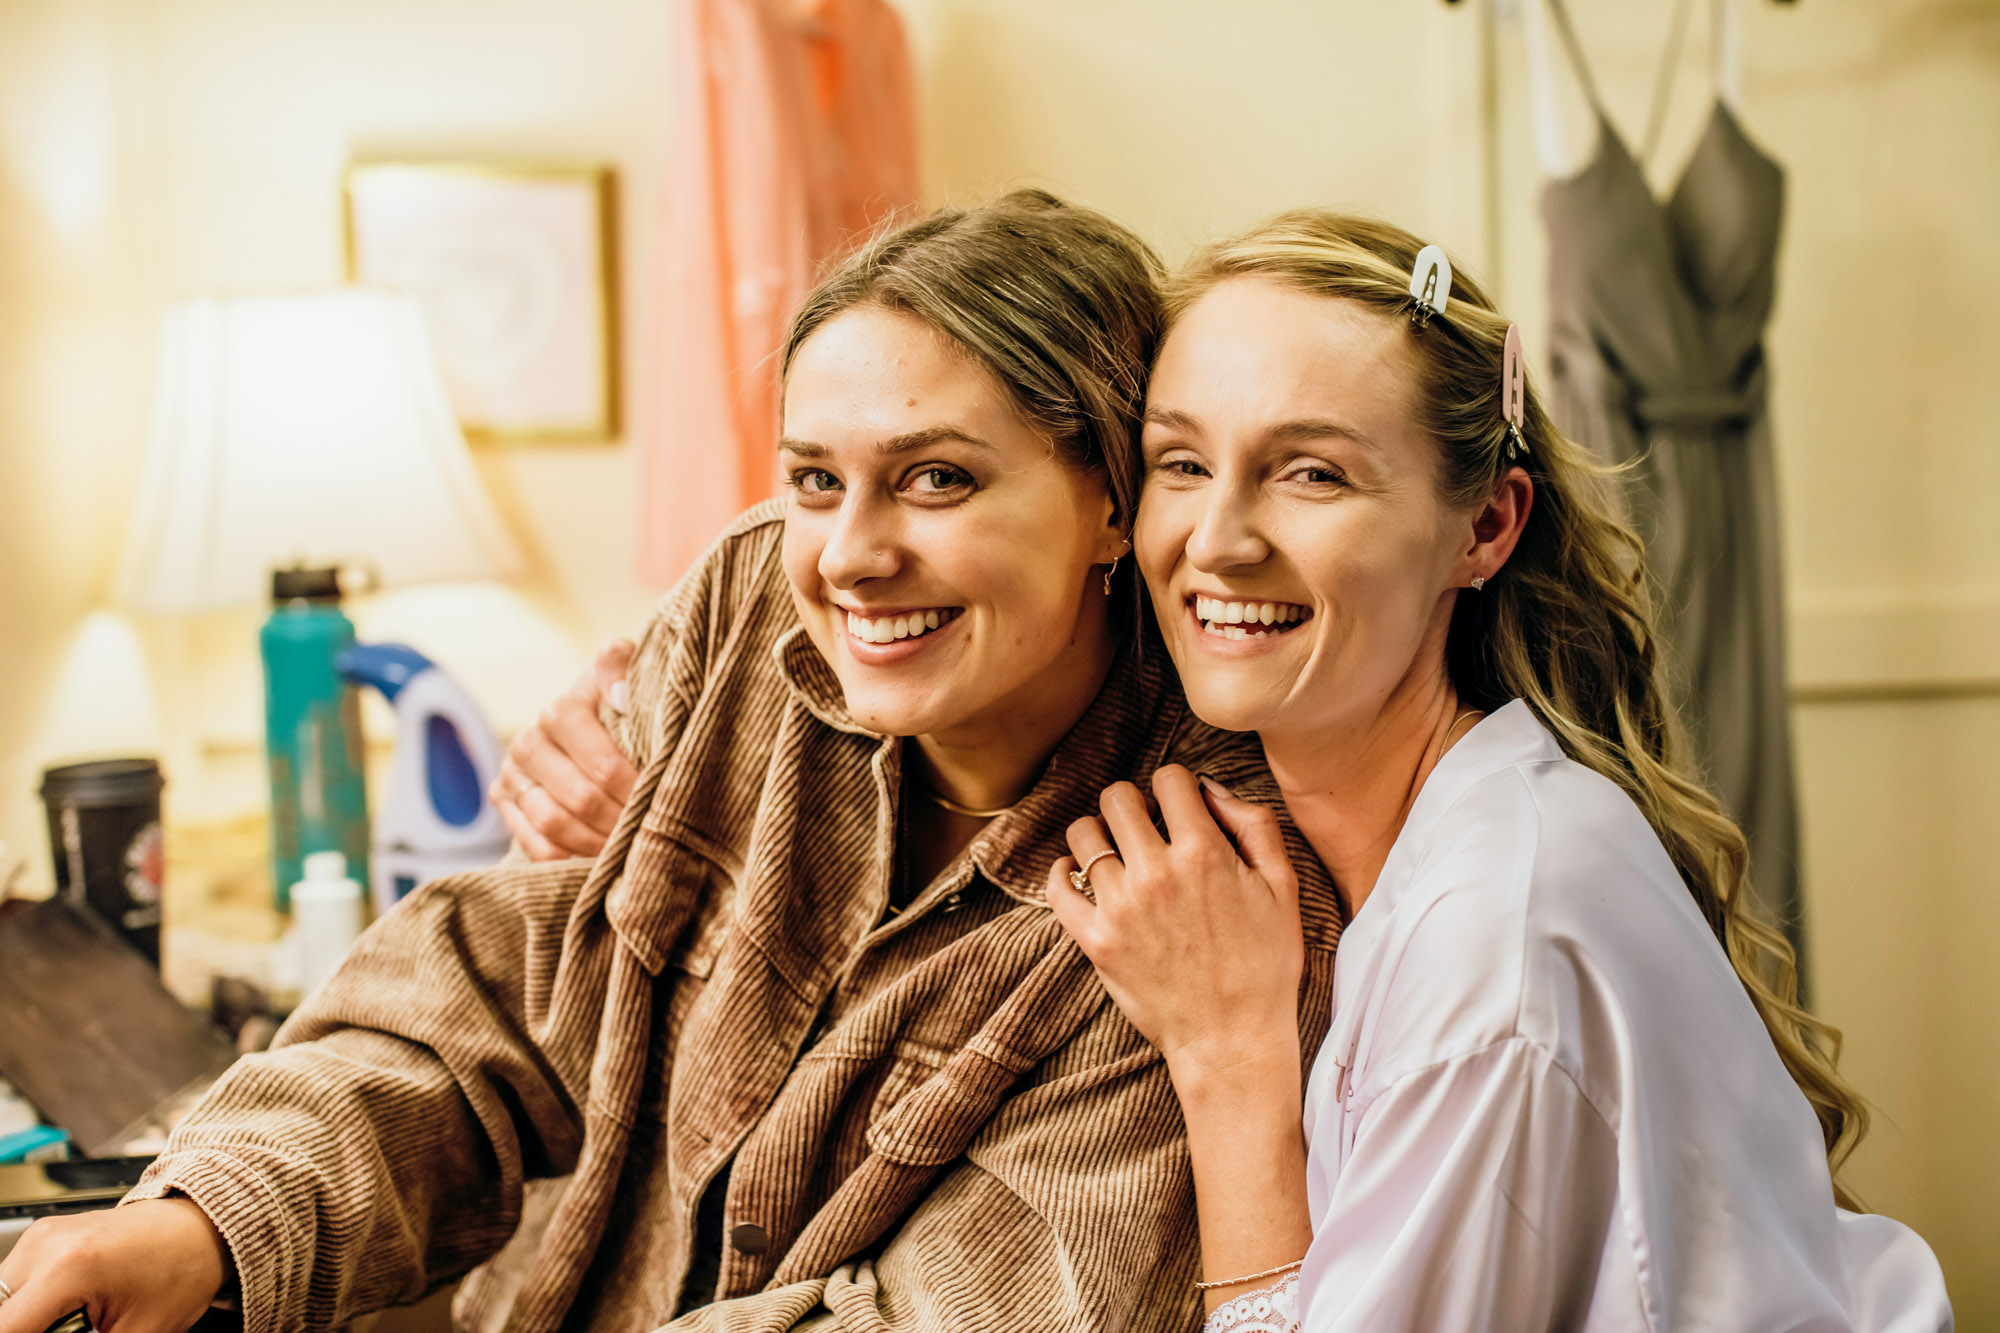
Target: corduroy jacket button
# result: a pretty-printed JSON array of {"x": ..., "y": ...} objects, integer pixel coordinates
[{"x": 749, "y": 1238}]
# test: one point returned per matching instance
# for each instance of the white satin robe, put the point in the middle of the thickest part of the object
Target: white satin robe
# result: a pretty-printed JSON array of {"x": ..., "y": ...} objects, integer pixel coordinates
[{"x": 1546, "y": 1102}]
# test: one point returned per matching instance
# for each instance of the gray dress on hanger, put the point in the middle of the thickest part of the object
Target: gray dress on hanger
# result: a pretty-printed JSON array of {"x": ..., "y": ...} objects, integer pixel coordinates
[{"x": 1657, "y": 361}]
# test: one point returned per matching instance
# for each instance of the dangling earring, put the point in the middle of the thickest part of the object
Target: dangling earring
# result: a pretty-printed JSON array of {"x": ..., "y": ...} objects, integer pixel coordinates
[{"x": 1112, "y": 568}]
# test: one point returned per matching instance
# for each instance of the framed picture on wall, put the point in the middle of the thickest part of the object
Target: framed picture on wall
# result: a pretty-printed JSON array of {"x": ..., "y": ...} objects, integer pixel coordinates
[{"x": 516, "y": 270}]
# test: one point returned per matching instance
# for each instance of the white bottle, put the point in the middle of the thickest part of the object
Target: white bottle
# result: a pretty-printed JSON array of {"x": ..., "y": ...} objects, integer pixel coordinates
[{"x": 327, "y": 918}]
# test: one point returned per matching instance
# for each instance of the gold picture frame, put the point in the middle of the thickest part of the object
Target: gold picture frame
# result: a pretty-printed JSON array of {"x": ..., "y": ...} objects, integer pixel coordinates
[{"x": 517, "y": 267}]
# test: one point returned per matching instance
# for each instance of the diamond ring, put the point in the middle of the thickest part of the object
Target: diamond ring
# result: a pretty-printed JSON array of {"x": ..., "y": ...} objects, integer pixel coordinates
[{"x": 1080, "y": 877}]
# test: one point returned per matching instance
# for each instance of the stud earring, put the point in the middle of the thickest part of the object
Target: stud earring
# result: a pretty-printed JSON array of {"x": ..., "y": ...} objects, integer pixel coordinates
[{"x": 1478, "y": 582}]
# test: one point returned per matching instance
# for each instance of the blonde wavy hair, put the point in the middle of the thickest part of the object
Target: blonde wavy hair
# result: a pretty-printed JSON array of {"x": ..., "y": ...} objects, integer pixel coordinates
[{"x": 1568, "y": 624}]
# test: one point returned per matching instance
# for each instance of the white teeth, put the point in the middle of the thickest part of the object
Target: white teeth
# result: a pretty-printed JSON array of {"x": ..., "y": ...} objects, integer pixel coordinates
[
  {"x": 1215, "y": 611},
  {"x": 888, "y": 629}
]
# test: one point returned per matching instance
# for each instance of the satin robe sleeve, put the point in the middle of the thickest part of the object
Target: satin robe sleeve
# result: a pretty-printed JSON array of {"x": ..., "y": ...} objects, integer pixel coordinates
[{"x": 1479, "y": 1192}]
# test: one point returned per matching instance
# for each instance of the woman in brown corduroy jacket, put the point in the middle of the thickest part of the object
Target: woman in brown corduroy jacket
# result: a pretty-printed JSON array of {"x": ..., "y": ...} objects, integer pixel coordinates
[{"x": 802, "y": 1045}]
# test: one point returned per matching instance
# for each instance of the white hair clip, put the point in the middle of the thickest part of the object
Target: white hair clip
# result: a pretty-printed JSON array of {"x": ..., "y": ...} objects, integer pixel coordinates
[
  {"x": 1430, "y": 284},
  {"x": 1514, "y": 392}
]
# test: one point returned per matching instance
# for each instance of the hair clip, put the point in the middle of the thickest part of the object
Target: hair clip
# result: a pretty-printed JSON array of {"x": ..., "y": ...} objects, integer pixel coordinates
[
  {"x": 1430, "y": 285},
  {"x": 1514, "y": 392}
]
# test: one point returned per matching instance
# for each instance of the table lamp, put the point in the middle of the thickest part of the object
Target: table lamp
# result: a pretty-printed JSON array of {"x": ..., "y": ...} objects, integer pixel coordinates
[{"x": 302, "y": 428}]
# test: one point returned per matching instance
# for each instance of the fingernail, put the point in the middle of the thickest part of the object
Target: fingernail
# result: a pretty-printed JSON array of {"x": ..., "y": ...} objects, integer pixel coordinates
[
  {"x": 1216, "y": 788},
  {"x": 620, "y": 696}
]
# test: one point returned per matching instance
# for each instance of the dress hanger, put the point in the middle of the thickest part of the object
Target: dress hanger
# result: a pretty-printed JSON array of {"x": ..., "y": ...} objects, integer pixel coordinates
[{"x": 1545, "y": 98}]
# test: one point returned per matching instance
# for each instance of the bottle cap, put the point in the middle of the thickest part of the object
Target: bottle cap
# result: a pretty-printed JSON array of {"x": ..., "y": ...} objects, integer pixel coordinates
[
  {"x": 314, "y": 585},
  {"x": 326, "y": 879}
]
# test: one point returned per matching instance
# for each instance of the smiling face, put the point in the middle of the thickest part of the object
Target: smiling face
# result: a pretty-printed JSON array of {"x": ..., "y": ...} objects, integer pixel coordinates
[
  {"x": 941, "y": 554},
  {"x": 1300, "y": 559}
]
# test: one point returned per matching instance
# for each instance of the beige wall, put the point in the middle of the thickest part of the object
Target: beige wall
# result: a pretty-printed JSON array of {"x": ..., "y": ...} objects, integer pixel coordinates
[
  {"x": 72, "y": 282},
  {"x": 156, "y": 147}
]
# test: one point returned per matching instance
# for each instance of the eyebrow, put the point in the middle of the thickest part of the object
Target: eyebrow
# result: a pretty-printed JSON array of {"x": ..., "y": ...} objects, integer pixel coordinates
[
  {"x": 1166, "y": 416},
  {"x": 1317, "y": 428},
  {"x": 907, "y": 442},
  {"x": 1287, "y": 432}
]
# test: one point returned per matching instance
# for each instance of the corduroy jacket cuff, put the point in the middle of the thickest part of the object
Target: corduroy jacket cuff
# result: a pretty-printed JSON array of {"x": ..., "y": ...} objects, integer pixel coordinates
[{"x": 247, "y": 1210}]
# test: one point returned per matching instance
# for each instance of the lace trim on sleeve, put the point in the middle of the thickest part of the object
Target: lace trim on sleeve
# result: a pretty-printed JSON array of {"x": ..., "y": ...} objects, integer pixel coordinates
[{"x": 1272, "y": 1309}]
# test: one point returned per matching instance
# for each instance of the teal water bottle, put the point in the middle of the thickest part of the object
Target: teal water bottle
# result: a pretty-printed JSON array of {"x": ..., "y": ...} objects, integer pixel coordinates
[{"x": 312, "y": 729}]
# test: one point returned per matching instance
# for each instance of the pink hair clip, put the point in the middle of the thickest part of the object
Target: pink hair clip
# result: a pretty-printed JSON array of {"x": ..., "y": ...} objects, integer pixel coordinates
[{"x": 1514, "y": 392}]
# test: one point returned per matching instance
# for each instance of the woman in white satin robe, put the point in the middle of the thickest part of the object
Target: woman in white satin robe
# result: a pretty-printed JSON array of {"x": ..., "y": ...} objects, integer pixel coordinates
[{"x": 1565, "y": 1085}]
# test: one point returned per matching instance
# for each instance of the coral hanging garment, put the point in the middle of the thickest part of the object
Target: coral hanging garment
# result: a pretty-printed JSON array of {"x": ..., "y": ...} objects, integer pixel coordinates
[{"x": 794, "y": 134}]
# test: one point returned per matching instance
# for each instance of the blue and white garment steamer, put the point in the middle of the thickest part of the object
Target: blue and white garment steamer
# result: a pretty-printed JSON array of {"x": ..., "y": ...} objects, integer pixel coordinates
[{"x": 437, "y": 819}]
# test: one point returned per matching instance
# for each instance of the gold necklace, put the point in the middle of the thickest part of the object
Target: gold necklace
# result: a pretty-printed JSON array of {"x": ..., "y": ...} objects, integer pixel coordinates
[
  {"x": 1470, "y": 712},
  {"x": 966, "y": 810}
]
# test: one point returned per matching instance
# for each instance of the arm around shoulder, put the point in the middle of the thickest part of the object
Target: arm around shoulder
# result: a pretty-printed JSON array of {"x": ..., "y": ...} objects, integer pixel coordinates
[{"x": 569, "y": 773}]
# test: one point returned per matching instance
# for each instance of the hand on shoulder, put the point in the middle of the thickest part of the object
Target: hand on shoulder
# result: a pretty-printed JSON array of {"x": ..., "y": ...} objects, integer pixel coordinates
[
  {"x": 1196, "y": 935},
  {"x": 564, "y": 780}
]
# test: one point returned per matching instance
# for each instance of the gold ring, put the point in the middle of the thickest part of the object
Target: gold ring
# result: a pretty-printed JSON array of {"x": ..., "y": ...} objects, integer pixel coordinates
[
  {"x": 6, "y": 1292},
  {"x": 1080, "y": 877}
]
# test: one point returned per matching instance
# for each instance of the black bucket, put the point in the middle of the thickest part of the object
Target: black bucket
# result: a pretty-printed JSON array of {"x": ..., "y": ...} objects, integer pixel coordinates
[{"x": 104, "y": 829}]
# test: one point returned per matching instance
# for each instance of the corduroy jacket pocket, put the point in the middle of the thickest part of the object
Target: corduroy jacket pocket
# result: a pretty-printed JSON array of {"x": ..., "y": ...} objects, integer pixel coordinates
[
  {"x": 935, "y": 1120},
  {"x": 691, "y": 963},
  {"x": 911, "y": 1065},
  {"x": 714, "y": 924}
]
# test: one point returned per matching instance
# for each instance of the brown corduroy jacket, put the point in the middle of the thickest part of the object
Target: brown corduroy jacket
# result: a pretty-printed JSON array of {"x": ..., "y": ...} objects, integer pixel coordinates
[{"x": 933, "y": 1121}]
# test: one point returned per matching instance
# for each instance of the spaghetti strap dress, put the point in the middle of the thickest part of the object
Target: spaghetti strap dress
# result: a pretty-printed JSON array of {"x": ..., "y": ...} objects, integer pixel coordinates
[{"x": 1657, "y": 362}]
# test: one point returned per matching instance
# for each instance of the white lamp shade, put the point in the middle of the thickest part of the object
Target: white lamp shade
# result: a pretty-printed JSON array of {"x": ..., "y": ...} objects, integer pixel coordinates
[{"x": 305, "y": 427}]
